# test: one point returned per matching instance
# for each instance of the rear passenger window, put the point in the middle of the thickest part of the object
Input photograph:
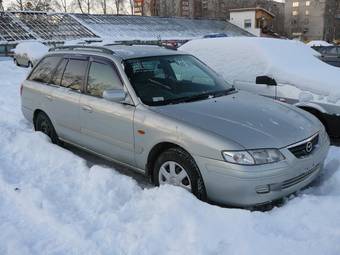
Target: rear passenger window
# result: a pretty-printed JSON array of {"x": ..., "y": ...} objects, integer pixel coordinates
[
  {"x": 74, "y": 73},
  {"x": 102, "y": 77},
  {"x": 43, "y": 72},
  {"x": 56, "y": 79}
]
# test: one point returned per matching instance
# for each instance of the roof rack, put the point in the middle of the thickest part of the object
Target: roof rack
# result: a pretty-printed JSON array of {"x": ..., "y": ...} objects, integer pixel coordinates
[{"x": 83, "y": 47}]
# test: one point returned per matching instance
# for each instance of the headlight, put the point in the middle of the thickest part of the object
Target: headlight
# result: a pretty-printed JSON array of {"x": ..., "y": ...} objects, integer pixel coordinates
[{"x": 253, "y": 157}]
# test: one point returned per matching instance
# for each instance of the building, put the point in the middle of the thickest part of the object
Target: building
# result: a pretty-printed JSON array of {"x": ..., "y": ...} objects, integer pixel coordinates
[
  {"x": 312, "y": 19},
  {"x": 257, "y": 21},
  {"x": 213, "y": 9}
]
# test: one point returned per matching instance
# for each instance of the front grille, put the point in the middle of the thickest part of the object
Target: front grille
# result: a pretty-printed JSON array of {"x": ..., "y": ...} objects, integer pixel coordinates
[
  {"x": 305, "y": 148},
  {"x": 291, "y": 182}
]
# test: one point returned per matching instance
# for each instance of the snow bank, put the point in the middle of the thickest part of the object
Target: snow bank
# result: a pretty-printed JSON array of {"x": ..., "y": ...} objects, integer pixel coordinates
[
  {"x": 34, "y": 50},
  {"x": 288, "y": 62},
  {"x": 318, "y": 43},
  {"x": 51, "y": 202}
]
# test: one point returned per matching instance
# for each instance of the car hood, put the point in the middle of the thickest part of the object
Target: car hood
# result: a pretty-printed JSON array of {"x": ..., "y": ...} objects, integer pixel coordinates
[{"x": 249, "y": 120}]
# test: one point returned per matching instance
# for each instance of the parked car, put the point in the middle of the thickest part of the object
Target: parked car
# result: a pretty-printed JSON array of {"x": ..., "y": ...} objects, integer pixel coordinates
[
  {"x": 170, "y": 117},
  {"x": 284, "y": 70},
  {"x": 329, "y": 54},
  {"x": 28, "y": 53}
]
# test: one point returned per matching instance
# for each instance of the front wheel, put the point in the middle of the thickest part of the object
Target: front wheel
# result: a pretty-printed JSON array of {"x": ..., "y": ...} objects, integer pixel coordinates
[
  {"x": 43, "y": 124},
  {"x": 176, "y": 167}
]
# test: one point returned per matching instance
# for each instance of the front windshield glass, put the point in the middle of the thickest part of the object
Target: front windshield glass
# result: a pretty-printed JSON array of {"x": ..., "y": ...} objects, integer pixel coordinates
[{"x": 173, "y": 79}]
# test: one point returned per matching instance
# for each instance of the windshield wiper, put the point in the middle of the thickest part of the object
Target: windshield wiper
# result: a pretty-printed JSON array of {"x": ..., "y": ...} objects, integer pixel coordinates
[{"x": 202, "y": 96}]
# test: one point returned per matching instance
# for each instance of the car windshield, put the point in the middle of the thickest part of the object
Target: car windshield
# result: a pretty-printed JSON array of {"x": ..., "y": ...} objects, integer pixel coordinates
[{"x": 174, "y": 79}]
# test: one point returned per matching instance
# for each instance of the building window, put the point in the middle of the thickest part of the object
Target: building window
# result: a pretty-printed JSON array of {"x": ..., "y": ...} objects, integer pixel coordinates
[
  {"x": 307, "y": 12},
  {"x": 295, "y": 13},
  {"x": 247, "y": 23},
  {"x": 307, "y": 3},
  {"x": 295, "y": 4}
]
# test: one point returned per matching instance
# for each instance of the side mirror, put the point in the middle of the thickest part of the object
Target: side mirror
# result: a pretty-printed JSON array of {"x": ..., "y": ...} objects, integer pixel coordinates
[
  {"x": 114, "y": 95},
  {"x": 266, "y": 80}
]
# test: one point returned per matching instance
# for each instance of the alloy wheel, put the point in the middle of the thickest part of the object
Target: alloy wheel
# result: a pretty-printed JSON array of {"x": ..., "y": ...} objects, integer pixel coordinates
[{"x": 174, "y": 174}]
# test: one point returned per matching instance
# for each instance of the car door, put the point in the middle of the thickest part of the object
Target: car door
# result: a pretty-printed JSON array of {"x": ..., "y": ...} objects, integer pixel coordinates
[
  {"x": 106, "y": 126},
  {"x": 69, "y": 77},
  {"x": 38, "y": 90}
]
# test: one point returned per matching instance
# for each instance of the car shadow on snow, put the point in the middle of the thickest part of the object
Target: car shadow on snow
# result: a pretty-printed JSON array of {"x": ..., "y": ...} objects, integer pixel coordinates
[{"x": 92, "y": 160}]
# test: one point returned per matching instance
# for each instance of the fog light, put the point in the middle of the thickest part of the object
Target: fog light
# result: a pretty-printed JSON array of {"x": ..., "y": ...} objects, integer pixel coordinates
[{"x": 262, "y": 189}]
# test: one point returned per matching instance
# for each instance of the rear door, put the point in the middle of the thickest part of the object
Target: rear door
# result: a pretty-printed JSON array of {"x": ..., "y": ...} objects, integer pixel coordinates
[
  {"x": 107, "y": 127},
  {"x": 37, "y": 88},
  {"x": 69, "y": 77}
]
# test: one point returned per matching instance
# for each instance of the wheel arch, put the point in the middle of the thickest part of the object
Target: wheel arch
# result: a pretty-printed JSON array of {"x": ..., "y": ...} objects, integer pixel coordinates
[{"x": 157, "y": 150}]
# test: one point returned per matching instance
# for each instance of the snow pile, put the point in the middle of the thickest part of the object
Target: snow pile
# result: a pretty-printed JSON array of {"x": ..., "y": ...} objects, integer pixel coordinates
[
  {"x": 318, "y": 43},
  {"x": 288, "y": 62},
  {"x": 51, "y": 202},
  {"x": 33, "y": 50}
]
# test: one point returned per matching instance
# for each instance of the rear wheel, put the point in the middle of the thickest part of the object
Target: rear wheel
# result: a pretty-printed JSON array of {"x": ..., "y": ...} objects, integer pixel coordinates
[
  {"x": 176, "y": 167},
  {"x": 43, "y": 124}
]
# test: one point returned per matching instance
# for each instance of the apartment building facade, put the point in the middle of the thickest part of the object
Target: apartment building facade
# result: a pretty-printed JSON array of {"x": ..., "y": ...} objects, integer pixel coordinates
[
  {"x": 312, "y": 19},
  {"x": 214, "y": 9}
]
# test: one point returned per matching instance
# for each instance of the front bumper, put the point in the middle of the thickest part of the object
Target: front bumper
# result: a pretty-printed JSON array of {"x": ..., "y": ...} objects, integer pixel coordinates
[{"x": 244, "y": 186}]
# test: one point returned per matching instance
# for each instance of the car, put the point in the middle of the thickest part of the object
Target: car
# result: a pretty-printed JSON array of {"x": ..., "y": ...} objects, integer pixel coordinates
[
  {"x": 285, "y": 70},
  {"x": 28, "y": 53},
  {"x": 170, "y": 117},
  {"x": 329, "y": 54}
]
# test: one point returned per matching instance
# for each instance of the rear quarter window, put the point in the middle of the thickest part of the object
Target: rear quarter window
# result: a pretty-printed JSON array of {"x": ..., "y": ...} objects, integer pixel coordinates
[{"x": 44, "y": 70}]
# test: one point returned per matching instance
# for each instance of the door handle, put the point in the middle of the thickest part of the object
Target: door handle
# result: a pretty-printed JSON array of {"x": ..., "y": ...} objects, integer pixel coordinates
[
  {"x": 49, "y": 97},
  {"x": 87, "y": 108}
]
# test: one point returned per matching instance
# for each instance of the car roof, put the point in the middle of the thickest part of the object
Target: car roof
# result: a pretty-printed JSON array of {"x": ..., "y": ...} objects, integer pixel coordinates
[
  {"x": 140, "y": 51},
  {"x": 122, "y": 51}
]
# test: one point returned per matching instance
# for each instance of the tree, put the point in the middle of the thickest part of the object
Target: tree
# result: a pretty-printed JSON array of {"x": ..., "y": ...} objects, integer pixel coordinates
[
  {"x": 118, "y": 4},
  {"x": 85, "y": 6},
  {"x": 62, "y": 5},
  {"x": 132, "y": 2}
]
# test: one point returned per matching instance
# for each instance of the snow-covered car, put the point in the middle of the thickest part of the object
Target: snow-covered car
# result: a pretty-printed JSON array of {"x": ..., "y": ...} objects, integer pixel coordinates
[
  {"x": 318, "y": 43},
  {"x": 28, "y": 53},
  {"x": 329, "y": 54},
  {"x": 286, "y": 70}
]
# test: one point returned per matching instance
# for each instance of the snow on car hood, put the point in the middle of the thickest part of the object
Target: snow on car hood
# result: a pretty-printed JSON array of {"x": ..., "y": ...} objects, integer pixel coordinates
[
  {"x": 249, "y": 120},
  {"x": 288, "y": 62}
]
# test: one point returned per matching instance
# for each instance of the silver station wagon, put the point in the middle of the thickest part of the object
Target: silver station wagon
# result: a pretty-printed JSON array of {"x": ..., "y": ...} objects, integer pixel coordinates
[{"x": 170, "y": 117}]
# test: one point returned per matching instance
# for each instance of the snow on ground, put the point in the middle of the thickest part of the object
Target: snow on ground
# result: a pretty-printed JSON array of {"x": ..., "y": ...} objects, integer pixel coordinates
[
  {"x": 51, "y": 202},
  {"x": 287, "y": 61}
]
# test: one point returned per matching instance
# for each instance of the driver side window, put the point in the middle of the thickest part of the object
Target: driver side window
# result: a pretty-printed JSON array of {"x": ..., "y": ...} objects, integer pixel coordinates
[{"x": 102, "y": 77}]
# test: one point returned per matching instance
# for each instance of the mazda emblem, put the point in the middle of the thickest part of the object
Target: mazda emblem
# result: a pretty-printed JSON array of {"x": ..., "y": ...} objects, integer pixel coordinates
[{"x": 309, "y": 147}]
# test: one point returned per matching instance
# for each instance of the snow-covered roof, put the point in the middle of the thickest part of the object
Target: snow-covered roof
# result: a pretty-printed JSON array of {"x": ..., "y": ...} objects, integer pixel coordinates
[
  {"x": 154, "y": 28},
  {"x": 21, "y": 26},
  {"x": 287, "y": 61},
  {"x": 42, "y": 26}
]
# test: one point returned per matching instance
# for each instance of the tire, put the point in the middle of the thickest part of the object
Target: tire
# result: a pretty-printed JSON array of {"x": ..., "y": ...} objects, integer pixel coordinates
[
  {"x": 183, "y": 162},
  {"x": 43, "y": 124},
  {"x": 30, "y": 65}
]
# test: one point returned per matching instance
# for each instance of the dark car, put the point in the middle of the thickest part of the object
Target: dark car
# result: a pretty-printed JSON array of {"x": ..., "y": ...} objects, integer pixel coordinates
[{"x": 329, "y": 54}]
